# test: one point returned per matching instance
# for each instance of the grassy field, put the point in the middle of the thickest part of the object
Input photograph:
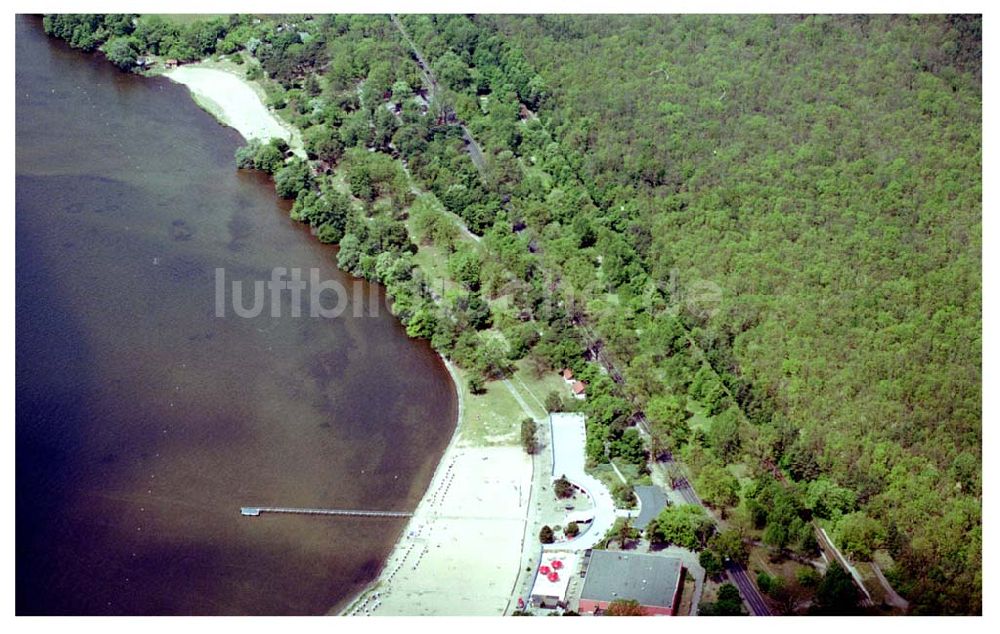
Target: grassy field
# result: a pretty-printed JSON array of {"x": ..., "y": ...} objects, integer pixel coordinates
[
  {"x": 538, "y": 387},
  {"x": 631, "y": 473},
  {"x": 699, "y": 419},
  {"x": 742, "y": 473},
  {"x": 432, "y": 258},
  {"x": 433, "y": 261},
  {"x": 605, "y": 474},
  {"x": 493, "y": 418}
]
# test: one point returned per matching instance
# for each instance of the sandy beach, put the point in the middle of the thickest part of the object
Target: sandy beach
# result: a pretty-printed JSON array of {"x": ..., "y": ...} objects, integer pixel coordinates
[
  {"x": 233, "y": 101},
  {"x": 461, "y": 552}
]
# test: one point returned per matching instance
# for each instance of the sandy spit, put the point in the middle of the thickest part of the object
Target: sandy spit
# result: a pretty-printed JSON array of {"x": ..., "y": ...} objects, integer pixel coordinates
[{"x": 233, "y": 101}]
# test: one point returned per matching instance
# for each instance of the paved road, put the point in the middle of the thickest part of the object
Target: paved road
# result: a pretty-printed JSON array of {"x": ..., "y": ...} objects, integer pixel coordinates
[
  {"x": 531, "y": 550},
  {"x": 475, "y": 152},
  {"x": 748, "y": 589},
  {"x": 751, "y": 595}
]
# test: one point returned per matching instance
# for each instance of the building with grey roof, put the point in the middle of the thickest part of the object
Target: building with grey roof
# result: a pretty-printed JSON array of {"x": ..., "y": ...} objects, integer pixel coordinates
[{"x": 652, "y": 580}]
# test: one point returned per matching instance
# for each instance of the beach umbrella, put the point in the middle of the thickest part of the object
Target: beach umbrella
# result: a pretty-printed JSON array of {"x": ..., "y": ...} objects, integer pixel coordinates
[
  {"x": 554, "y": 576},
  {"x": 544, "y": 570},
  {"x": 557, "y": 564}
]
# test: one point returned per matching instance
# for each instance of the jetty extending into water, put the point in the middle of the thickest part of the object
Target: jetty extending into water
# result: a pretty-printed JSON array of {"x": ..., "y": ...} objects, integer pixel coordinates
[{"x": 253, "y": 511}]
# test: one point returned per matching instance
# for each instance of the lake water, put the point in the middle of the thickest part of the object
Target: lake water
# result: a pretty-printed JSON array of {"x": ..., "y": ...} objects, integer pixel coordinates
[{"x": 144, "y": 421}]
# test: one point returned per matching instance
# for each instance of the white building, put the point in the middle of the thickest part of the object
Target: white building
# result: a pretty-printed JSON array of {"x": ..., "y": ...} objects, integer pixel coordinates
[{"x": 552, "y": 578}]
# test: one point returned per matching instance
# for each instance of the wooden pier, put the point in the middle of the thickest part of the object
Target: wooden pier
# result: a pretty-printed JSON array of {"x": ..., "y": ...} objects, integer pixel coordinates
[{"x": 254, "y": 511}]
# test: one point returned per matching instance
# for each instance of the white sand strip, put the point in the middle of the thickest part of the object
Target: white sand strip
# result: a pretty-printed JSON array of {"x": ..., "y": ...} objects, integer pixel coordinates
[
  {"x": 234, "y": 102},
  {"x": 461, "y": 551}
]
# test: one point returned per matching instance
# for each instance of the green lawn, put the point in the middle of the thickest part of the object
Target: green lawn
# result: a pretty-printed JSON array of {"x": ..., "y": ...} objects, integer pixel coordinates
[
  {"x": 631, "y": 473},
  {"x": 742, "y": 473},
  {"x": 493, "y": 418},
  {"x": 699, "y": 419},
  {"x": 605, "y": 474},
  {"x": 535, "y": 388}
]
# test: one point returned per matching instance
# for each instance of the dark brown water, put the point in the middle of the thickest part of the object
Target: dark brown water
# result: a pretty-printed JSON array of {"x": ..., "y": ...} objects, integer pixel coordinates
[{"x": 143, "y": 421}]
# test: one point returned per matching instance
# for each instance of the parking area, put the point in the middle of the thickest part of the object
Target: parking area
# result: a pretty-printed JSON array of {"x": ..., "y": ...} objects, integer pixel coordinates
[{"x": 569, "y": 439}]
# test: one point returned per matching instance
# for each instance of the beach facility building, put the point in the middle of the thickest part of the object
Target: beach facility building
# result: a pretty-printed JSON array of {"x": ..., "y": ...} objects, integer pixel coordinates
[
  {"x": 652, "y": 580},
  {"x": 552, "y": 579}
]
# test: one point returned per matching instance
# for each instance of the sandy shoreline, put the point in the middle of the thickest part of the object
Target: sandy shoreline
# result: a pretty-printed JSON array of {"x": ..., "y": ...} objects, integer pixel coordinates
[
  {"x": 460, "y": 553},
  {"x": 352, "y": 605},
  {"x": 234, "y": 102}
]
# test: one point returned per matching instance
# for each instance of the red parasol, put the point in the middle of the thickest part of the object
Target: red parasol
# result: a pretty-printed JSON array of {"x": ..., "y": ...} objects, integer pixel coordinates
[
  {"x": 544, "y": 570},
  {"x": 554, "y": 576},
  {"x": 557, "y": 564}
]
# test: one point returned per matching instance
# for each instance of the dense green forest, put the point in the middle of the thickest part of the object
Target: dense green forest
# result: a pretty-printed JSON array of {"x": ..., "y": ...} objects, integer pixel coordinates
[
  {"x": 825, "y": 174},
  {"x": 767, "y": 227}
]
